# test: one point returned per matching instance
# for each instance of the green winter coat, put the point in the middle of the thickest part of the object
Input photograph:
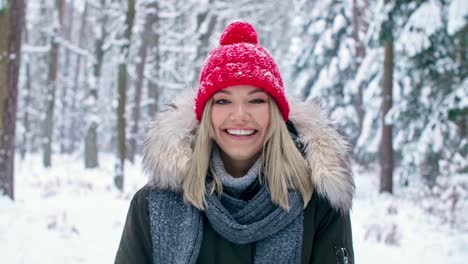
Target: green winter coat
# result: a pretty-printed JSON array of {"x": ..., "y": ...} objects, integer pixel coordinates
[{"x": 327, "y": 236}]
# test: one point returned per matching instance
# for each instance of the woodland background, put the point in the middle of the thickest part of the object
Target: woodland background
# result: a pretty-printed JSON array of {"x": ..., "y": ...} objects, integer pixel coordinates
[{"x": 80, "y": 80}]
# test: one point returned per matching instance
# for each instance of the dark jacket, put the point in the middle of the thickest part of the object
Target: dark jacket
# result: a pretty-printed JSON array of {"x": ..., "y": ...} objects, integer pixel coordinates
[
  {"x": 326, "y": 237},
  {"x": 327, "y": 234}
]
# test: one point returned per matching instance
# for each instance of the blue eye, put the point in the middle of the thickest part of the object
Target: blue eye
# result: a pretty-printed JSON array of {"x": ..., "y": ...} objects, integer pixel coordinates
[
  {"x": 258, "y": 101},
  {"x": 221, "y": 101}
]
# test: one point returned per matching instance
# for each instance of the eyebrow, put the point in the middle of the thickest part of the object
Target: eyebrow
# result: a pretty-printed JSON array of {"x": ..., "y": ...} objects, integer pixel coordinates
[
  {"x": 257, "y": 91},
  {"x": 251, "y": 92}
]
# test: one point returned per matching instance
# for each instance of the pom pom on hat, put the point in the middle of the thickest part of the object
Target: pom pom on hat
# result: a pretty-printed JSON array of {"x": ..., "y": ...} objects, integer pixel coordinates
[
  {"x": 238, "y": 32},
  {"x": 239, "y": 60}
]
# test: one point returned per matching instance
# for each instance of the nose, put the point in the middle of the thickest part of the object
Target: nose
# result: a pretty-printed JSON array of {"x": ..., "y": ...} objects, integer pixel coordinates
[{"x": 240, "y": 113}]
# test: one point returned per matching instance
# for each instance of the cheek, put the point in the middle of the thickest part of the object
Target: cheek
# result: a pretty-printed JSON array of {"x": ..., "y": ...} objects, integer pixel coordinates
[
  {"x": 263, "y": 119},
  {"x": 217, "y": 119}
]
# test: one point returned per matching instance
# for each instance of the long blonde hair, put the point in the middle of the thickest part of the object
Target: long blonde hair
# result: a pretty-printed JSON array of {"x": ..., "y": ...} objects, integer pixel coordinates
[{"x": 283, "y": 165}]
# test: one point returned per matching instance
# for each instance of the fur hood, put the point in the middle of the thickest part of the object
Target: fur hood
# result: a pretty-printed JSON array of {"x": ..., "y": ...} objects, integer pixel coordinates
[{"x": 170, "y": 136}]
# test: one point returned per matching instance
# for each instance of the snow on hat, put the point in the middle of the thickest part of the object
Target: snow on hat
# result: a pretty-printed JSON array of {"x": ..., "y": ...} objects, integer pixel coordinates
[{"x": 239, "y": 60}]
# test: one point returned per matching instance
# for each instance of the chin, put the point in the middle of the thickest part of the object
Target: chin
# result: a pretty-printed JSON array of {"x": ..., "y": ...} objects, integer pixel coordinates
[{"x": 242, "y": 155}]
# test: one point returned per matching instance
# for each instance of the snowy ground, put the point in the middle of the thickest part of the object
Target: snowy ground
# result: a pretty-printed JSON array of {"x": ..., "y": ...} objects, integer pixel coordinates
[{"x": 70, "y": 215}]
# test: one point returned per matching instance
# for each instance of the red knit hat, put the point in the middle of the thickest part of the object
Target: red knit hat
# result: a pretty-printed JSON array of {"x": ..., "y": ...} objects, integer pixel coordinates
[{"x": 239, "y": 60}]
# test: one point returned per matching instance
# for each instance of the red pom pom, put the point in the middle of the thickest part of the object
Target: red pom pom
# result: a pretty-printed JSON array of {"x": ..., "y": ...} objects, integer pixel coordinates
[{"x": 238, "y": 32}]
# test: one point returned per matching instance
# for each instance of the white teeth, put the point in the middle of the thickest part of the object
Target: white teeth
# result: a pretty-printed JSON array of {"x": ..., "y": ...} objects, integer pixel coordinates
[{"x": 240, "y": 132}]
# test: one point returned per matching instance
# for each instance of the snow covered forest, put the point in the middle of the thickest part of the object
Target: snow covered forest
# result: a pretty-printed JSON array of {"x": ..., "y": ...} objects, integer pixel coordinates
[{"x": 80, "y": 80}]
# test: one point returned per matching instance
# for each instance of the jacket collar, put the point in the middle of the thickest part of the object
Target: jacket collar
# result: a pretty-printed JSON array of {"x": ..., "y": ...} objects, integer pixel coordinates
[{"x": 171, "y": 134}]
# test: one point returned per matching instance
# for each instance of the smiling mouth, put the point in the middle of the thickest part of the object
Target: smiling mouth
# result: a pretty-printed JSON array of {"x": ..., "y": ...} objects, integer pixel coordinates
[{"x": 241, "y": 132}]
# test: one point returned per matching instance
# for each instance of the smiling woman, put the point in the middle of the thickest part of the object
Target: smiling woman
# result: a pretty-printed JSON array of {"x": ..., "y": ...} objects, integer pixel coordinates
[
  {"x": 251, "y": 181},
  {"x": 240, "y": 119}
]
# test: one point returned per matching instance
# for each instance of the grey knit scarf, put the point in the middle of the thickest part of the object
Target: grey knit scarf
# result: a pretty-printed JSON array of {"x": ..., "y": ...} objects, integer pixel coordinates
[
  {"x": 235, "y": 186},
  {"x": 177, "y": 228}
]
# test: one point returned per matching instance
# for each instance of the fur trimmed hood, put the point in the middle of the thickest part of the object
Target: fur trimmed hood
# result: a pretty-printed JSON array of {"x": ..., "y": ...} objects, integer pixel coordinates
[{"x": 169, "y": 139}]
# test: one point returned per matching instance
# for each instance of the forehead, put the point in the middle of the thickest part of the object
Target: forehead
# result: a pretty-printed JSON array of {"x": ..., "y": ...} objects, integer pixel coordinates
[{"x": 241, "y": 89}]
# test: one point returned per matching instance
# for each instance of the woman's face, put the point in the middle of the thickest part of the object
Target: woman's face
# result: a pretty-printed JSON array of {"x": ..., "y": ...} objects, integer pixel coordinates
[{"x": 240, "y": 118}]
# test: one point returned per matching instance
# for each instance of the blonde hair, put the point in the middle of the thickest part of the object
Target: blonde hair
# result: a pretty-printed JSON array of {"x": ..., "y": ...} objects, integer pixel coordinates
[{"x": 283, "y": 165}]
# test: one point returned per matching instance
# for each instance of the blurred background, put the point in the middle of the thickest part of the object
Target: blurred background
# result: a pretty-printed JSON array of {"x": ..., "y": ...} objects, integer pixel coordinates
[{"x": 80, "y": 81}]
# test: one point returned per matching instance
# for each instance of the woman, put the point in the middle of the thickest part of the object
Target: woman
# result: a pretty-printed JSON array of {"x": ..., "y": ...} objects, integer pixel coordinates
[{"x": 247, "y": 180}]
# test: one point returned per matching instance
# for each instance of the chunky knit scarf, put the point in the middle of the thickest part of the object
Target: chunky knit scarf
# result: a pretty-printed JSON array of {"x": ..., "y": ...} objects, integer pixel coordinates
[{"x": 177, "y": 228}]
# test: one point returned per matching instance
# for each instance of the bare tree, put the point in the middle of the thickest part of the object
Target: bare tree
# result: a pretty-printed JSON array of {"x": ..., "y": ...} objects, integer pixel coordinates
[
  {"x": 91, "y": 138},
  {"x": 153, "y": 88},
  {"x": 12, "y": 20},
  {"x": 66, "y": 84},
  {"x": 140, "y": 70},
  {"x": 76, "y": 79},
  {"x": 122, "y": 93},
  {"x": 52, "y": 87},
  {"x": 27, "y": 100},
  {"x": 386, "y": 143}
]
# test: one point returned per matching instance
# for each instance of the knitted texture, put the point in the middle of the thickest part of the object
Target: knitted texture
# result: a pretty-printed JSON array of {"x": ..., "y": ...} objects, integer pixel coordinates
[
  {"x": 239, "y": 60},
  {"x": 235, "y": 185},
  {"x": 177, "y": 228}
]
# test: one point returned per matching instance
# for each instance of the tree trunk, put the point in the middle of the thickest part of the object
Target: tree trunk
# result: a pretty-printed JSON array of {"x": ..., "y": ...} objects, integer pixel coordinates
[
  {"x": 91, "y": 152},
  {"x": 463, "y": 120},
  {"x": 357, "y": 62},
  {"x": 140, "y": 69},
  {"x": 65, "y": 122},
  {"x": 153, "y": 88},
  {"x": 12, "y": 20},
  {"x": 76, "y": 81},
  {"x": 27, "y": 100},
  {"x": 122, "y": 91},
  {"x": 91, "y": 139},
  {"x": 355, "y": 26},
  {"x": 463, "y": 68},
  {"x": 52, "y": 87},
  {"x": 153, "y": 95},
  {"x": 386, "y": 143}
]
